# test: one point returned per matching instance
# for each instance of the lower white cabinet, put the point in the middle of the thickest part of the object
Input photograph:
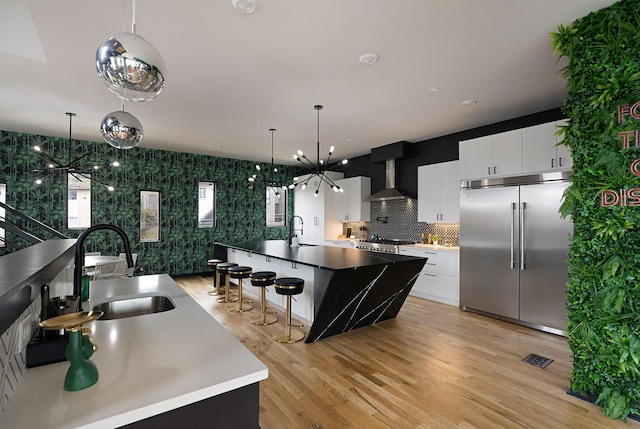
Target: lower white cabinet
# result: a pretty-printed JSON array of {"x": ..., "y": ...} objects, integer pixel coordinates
[
  {"x": 302, "y": 305},
  {"x": 439, "y": 280}
]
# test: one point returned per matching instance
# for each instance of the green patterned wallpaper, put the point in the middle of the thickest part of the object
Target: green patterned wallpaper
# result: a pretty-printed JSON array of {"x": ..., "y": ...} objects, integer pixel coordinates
[{"x": 184, "y": 248}]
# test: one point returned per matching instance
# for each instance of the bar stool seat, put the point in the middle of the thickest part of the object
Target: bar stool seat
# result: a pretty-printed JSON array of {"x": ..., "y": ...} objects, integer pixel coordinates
[
  {"x": 223, "y": 270},
  {"x": 262, "y": 279},
  {"x": 239, "y": 273},
  {"x": 213, "y": 263},
  {"x": 289, "y": 286}
]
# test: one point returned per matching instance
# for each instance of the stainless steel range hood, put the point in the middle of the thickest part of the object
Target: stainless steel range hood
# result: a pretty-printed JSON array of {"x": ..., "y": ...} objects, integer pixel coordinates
[{"x": 390, "y": 192}]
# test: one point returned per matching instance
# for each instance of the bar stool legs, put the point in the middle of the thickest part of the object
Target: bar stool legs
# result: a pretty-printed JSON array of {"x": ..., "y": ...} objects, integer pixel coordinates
[
  {"x": 213, "y": 264},
  {"x": 289, "y": 286},
  {"x": 223, "y": 270},
  {"x": 239, "y": 273},
  {"x": 262, "y": 279}
]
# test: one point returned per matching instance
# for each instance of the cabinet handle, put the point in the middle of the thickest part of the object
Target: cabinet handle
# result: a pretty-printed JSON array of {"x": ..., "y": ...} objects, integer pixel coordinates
[
  {"x": 430, "y": 263},
  {"x": 489, "y": 171},
  {"x": 294, "y": 265},
  {"x": 552, "y": 166},
  {"x": 267, "y": 258},
  {"x": 494, "y": 170},
  {"x": 560, "y": 161},
  {"x": 430, "y": 275}
]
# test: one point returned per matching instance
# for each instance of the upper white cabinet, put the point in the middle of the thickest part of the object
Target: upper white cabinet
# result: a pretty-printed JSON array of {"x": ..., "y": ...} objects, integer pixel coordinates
[
  {"x": 316, "y": 211},
  {"x": 349, "y": 205},
  {"x": 495, "y": 155},
  {"x": 439, "y": 192},
  {"x": 539, "y": 150},
  {"x": 526, "y": 150}
]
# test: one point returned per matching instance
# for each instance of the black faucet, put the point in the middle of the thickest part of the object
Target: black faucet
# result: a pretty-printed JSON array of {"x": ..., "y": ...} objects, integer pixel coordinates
[
  {"x": 291, "y": 228},
  {"x": 79, "y": 258}
]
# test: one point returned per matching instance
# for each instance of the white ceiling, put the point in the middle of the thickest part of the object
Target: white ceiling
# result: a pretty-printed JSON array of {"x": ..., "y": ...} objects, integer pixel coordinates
[{"x": 228, "y": 70}]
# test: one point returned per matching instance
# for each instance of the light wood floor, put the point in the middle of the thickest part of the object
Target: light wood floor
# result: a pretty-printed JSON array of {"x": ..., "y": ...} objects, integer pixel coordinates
[{"x": 433, "y": 366}]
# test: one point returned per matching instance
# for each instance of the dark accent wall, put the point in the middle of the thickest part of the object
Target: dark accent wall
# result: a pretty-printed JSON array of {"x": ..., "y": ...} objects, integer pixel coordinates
[
  {"x": 439, "y": 149},
  {"x": 183, "y": 248}
]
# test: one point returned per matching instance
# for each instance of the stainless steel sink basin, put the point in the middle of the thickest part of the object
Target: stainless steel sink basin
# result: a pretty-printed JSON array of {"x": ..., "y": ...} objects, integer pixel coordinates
[{"x": 129, "y": 307}]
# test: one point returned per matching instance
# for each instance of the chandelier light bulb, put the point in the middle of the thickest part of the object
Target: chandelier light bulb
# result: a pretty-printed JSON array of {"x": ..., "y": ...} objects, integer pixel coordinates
[
  {"x": 37, "y": 148},
  {"x": 331, "y": 149},
  {"x": 115, "y": 164},
  {"x": 38, "y": 181},
  {"x": 345, "y": 161},
  {"x": 110, "y": 188},
  {"x": 251, "y": 179},
  {"x": 51, "y": 165},
  {"x": 315, "y": 194},
  {"x": 95, "y": 167},
  {"x": 304, "y": 186},
  {"x": 258, "y": 167}
]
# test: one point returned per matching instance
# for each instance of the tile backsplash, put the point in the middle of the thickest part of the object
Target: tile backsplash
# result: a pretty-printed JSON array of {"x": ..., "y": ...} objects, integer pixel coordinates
[{"x": 398, "y": 219}]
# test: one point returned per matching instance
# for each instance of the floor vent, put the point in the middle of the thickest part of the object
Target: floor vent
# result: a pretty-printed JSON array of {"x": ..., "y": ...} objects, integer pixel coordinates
[{"x": 537, "y": 360}]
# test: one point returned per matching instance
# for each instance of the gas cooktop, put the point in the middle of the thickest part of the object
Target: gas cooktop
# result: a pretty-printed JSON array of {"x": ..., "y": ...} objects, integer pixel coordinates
[{"x": 393, "y": 241}]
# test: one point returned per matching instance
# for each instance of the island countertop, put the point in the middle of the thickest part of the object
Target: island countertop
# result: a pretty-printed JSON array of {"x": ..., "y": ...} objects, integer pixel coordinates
[
  {"x": 147, "y": 365},
  {"x": 332, "y": 258}
]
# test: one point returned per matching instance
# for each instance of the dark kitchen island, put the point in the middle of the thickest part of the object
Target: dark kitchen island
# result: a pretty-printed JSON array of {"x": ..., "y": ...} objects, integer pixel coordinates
[{"x": 345, "y": 289}]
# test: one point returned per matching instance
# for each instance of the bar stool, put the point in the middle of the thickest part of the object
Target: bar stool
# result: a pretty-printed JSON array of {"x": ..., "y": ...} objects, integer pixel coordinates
[
  {"x": 212, "y": 263},
  {"x": 289, "y": 286},
  {"x": 262, "y": 279},
  {"x": 223, "y": 270},
  {"x": 240, "y": 273}
]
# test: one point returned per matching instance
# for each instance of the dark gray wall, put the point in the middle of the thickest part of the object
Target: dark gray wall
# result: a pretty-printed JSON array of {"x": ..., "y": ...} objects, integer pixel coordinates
[{"x": 439, "y": 149}]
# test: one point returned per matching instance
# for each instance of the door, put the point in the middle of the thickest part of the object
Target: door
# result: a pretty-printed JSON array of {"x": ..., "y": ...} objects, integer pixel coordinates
[
  {"x": 489, "y": 250},
  {"x": 543, "y": 267}
]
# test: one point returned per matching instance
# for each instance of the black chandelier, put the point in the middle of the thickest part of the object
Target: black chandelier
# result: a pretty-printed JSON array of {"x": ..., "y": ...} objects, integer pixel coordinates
[
  {"x": 268, "y": 177},
  {"x": 78, "y": 167},
  {"x": 319, "y": 168}
]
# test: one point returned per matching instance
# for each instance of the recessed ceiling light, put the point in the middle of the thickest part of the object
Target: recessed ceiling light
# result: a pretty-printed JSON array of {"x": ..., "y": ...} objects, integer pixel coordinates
[
  {"x": 262, "y": 122},
  {"x": 368, "y": 59},
  {"x": 350, "y": 139},
  {"x": 245, "y": 6},
  {"x": 434, "y": 89},
  {"x": 469, "y": 102}
]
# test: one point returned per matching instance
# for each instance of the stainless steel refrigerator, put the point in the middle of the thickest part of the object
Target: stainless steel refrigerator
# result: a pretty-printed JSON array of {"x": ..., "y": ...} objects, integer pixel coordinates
[{"x": 514, "y": 249}]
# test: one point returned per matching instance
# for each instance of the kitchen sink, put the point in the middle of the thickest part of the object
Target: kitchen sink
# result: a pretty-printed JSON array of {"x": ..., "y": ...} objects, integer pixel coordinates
[{"x": 138, "y": 306}]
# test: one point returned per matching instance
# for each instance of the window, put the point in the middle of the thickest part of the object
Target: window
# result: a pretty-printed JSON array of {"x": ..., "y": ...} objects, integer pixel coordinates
[
  {"x": 276, "y": 207},
  {"x": 206, "y": 205},
  {"x": 3, "y": 199},
  {"x": 78, "y": 201},
  {"x": 149, "y": 216}
]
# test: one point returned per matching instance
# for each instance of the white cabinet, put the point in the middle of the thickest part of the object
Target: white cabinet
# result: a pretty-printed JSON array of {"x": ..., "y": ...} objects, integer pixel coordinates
[
  {"x": 495, "y": 155},
  {"x": 439, "y": 192},
  {"x": 526, "y": 150},
  {"x": 439, "y": 280},
  {"x": 349, "y": 205},
  {"x": 539, "y": 150},
  {"x": 316, "y": 210}
]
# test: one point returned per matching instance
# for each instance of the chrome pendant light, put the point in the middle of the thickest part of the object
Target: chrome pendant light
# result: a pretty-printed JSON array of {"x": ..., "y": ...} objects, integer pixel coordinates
[
  {"x": 121, "y": 129},
  {"x": 131, "y": 67},
  {"x": 268, "y": 177},
  {"x": 319, "y": 168}
]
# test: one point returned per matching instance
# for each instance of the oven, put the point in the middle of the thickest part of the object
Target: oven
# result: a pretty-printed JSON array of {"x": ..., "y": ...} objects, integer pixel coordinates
[{"x": 382, "y": 245}]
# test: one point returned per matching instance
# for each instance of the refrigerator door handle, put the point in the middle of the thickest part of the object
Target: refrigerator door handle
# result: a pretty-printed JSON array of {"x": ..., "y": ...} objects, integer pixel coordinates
[
  {"x": 513, "y": 215},
  {"x": 523, "y": 207}
]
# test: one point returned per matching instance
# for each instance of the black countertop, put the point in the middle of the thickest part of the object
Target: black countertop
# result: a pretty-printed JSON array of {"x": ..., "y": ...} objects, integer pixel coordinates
[{"x": 328, "y": 257}]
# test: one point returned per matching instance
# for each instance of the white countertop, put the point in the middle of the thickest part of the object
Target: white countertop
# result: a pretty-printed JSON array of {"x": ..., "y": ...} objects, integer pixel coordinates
[{"x": 148, "y": 365}]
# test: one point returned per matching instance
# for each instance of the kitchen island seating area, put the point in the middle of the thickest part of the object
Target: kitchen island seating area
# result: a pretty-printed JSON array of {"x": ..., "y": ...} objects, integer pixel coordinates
[
  {"x": 223, "y": 271},
  {"x": 342, "y": 289},
  {"x": 289, "y": 286},
  {"x": 213, "y": 263}
]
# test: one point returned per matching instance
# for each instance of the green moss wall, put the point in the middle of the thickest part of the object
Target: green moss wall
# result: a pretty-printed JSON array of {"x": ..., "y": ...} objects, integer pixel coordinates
[
  {"x": 603, "y": 298},
  {"x": 184, "y": 248}
]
